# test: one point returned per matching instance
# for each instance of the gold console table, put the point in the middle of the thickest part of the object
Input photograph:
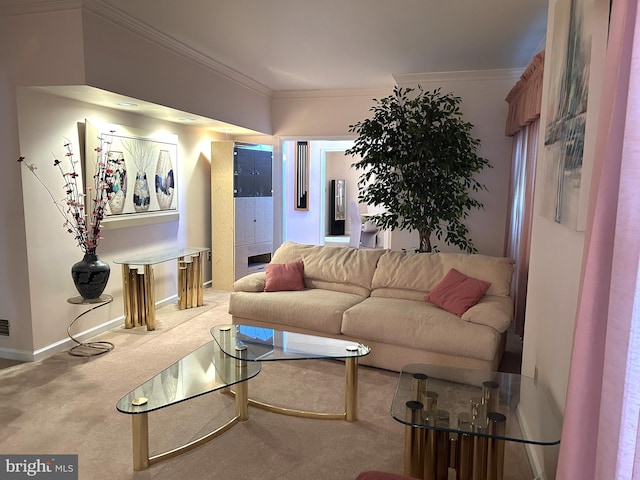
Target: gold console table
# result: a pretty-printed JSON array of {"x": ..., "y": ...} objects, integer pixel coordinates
[{"x": 138, "y": 288}]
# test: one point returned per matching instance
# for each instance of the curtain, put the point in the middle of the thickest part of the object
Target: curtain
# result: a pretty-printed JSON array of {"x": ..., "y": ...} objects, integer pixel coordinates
[
  {"x": 600, "y": 429},
  {"x": 523, "y": 124}
]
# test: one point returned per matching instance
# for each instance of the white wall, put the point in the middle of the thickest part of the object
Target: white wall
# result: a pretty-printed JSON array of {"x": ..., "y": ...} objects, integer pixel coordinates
[
  {"x": 76, "y": 47},
  {"x": 33, "y": 56},
  {"x": 132, "y": 65},
  {"x": 45, "y": 121},
  {"x": 555, "y": 264},
  {"x": 329, "y": 114},
  {"x": 483, "y": 105}
]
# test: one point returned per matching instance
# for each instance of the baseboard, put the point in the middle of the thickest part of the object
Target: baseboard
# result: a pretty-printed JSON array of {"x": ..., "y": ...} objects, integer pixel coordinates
[
  {"x": 67, "y": 343},
  {"x": 533, "y": 451}
]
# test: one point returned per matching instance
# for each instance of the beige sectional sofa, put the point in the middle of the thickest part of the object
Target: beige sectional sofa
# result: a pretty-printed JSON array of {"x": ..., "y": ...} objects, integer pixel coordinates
[{"x": 376, "y": 297}]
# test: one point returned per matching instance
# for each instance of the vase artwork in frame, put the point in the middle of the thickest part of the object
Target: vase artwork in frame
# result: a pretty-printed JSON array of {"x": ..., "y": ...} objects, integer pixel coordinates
[{"x": 145, "y": 166}]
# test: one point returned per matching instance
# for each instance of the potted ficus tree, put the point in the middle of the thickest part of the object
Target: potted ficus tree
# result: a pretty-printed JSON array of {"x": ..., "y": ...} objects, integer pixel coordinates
[{"x": 418, "y": 161}]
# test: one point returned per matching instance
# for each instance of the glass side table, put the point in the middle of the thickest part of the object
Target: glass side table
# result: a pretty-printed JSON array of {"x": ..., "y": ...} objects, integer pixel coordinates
[
  {"x": 138, "y": 289},
  {"x": 461, "y": 418},
  {"x": 89, "y": 349}
]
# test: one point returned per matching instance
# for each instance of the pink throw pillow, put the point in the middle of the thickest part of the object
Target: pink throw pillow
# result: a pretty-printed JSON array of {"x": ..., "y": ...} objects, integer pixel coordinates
[
  {"x": 457, "y": 293},
  {"x": 284, "y": 276}
]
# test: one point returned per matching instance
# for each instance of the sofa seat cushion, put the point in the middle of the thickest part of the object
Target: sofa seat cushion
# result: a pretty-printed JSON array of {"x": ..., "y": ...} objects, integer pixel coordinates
[
  {"x": 340, "y": 269},
  {"x": 419, "y": 325},
  {"x": 312, "y": 309}
]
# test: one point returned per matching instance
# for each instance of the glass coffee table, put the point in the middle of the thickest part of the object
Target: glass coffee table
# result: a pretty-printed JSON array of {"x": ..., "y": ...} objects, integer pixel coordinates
[
  {"x": 205, "y": 370},
  {"x": 461, "y": 418},
  {"x": 232, "y": 358},
  {"x": 269, "y": 345}
]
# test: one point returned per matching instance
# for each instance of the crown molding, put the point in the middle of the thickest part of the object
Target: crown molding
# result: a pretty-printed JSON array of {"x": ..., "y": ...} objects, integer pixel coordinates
[
  {"x": 344, "y": 92},
  {"x": 117, "y": 16},
  {"x": 465, "y": 75}
]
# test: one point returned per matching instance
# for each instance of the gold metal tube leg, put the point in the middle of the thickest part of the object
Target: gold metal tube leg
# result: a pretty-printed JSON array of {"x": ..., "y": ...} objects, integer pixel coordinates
[
  {"x": 465, "y": 445},
  {"x": 413, "y": 440},
  {"x": 430, "y": 460},
  {"x": 478, "y": 465},
  {"x": 133, "y": 297},
  {"x": 140, "y": 439},
  {"x": 490, "y": 395},
  {"x": 351, "y": 389},
  {"x": 495, "y": 446},
  {"x": 189, "y": 264},
  {"x": 442, "y": 445},
  {"x": 150, "y": 298},
  {"x": 419, "y": 387},
  {"x": 242, "y": 388},
  {"x": 126, "y": 297},
  {"x": 182, "y": 286},
  {"x": 142, "y": 299},
  {"x": 196, "y": 278},
  {"x": 201, "y": 278}
]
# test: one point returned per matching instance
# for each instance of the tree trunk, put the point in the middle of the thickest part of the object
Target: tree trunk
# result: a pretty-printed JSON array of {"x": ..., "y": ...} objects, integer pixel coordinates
[{"x": 425, "y": 241}]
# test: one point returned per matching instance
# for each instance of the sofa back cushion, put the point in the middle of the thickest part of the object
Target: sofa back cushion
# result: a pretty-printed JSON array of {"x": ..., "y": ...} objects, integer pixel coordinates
[
  {"x": 412, "y": 275},
  {"x": 340, "y": 269}
]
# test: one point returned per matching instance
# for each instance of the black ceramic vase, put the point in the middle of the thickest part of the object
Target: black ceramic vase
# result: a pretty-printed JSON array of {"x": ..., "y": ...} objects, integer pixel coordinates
[{"x": 90, "y": 276}]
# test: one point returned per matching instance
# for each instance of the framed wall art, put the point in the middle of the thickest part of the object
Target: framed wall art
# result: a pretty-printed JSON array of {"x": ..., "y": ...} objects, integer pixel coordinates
[
  {"x": 145, "y": 171},
  {"x": 575, "y": 61}
]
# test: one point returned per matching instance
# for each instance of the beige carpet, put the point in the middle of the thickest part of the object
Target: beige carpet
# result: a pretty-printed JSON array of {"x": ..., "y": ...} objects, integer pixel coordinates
[{"x": 66, "y": 404}]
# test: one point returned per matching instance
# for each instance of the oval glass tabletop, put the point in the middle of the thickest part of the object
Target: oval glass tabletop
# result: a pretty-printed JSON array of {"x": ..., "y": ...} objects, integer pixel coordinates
[{"x": 267, "y": 344}]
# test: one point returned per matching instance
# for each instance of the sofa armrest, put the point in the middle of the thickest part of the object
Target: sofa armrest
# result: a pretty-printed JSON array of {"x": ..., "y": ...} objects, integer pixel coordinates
[
  {"x": 253, "y": 282},
  {"x": 493, "y": 311}
]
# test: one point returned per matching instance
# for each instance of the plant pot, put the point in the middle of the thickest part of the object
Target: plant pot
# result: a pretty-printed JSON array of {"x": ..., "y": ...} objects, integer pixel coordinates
[{"x": 90, "y": 276}]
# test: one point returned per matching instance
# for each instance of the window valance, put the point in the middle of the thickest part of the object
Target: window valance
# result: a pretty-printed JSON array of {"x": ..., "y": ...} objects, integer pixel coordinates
[{"x": 525, "y": 97}]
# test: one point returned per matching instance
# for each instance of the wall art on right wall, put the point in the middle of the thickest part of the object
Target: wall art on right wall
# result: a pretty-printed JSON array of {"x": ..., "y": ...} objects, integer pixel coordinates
[{"x": 574, "y": 67}]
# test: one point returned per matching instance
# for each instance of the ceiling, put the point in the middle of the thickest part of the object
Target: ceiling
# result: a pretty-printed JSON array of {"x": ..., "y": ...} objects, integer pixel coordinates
[
  {"x": 336, "y": 44},
  {"x": 286, "y": 45}
]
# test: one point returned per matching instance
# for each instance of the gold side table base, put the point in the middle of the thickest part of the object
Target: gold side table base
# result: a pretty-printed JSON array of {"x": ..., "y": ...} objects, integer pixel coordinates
[{"x": 430, "y": 453}]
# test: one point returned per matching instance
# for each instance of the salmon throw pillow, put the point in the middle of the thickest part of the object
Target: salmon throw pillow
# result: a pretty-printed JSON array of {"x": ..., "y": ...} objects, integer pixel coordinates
[
  {"x": 457, "y": 293},
  {"x": 284, "y": 276}
]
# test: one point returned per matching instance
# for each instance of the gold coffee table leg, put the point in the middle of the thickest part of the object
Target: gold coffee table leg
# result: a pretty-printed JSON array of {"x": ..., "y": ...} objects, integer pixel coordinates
[
  {"x": 140, "y": 436},
  {"x": 351, "y": 389},
  {"x": 242, "y": 388}
]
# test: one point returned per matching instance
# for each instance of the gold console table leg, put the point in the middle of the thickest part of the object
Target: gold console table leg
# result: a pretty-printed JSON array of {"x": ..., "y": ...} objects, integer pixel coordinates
[
  {"x": 126, "y": 297},
  {"x": 150, "y": 298},
  {"x": 200, "y": 279}
]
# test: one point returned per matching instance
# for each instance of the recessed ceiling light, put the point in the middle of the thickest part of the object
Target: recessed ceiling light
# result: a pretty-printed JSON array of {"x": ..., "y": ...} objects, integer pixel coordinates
[{"x": 126, "y": 104}]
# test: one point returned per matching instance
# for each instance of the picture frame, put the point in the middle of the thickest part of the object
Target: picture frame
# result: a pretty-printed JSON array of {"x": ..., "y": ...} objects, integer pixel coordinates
[
  {"x": 145, "y": 174},
  {"x": 575, "y": 68},
  {"x": 301, "y": 188}
]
